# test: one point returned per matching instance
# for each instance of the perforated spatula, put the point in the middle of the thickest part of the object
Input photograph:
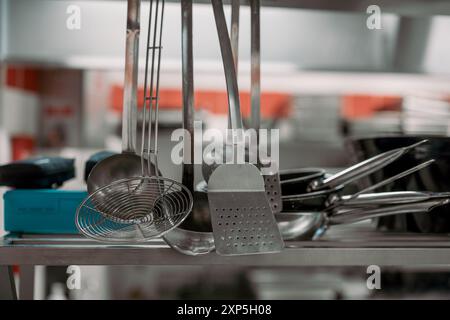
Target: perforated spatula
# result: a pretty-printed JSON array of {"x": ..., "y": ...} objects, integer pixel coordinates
[{"x": 242, "y": 220}]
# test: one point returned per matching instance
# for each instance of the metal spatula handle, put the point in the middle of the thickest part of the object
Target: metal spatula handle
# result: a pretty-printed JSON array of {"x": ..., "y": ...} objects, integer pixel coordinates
[
  {"x": 234, "y": 36},
  {"x": 234, "y": 33},
  {"x": 362, "y": 169},
  {"x": 129, "y": 114},
  {"x": 229, "y": 69}
]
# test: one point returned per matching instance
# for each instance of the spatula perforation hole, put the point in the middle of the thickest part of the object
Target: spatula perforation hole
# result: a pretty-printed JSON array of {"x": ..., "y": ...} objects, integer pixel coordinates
[{"x": 246, "y": 228}]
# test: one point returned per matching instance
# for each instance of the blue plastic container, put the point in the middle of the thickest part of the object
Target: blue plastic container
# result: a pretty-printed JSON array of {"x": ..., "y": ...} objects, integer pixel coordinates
[{"x": 46, "y": 211}]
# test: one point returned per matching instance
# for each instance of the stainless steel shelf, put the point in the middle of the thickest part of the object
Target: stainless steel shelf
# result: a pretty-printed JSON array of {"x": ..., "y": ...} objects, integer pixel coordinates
[
  {"x": 401, "y": 7},
  {"x": 355, "y": 245}
]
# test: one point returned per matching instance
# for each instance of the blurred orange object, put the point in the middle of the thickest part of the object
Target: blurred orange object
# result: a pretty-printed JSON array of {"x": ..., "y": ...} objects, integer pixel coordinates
[
  {"x": 25, "y": 78},
  {"x": 365, "y": 106},
  {"x": 23, "y": 146},
  {"x": 273, "y": 104}
]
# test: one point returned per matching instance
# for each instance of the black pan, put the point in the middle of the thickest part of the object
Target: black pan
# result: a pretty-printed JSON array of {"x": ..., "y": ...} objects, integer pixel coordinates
[
  {"x": 296, "y": 181},
  {"x": 310, "y": 189},
  {"x": 435, "y": 178}
]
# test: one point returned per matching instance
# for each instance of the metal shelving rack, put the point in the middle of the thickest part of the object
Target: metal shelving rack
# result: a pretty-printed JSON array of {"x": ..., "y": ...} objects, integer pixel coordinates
[
  {"x": 400, "y": 7},
  {"x": 354, "y": 245},
  {"x": 351, "y": 245}
]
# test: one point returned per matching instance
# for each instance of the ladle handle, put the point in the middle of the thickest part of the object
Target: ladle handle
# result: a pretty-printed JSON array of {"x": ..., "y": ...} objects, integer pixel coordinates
[
  {"x": 129, "y": 113},
  {"x": 187, "y": 62},
  {"x": 255, "y": 62}
]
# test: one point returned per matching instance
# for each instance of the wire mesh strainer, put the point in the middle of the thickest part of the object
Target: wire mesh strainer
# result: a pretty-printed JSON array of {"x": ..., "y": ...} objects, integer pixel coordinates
[{"x": 138, "y": 208}]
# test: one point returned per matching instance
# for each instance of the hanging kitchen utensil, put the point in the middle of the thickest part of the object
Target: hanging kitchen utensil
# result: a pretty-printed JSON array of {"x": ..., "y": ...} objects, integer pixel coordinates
[
  {"x": 143, "y": 207},
  {"x": 94, "y": 159},
  {"x": 126, "y": 164},
  {"x": 234, "y": 33},
  {"x": 242, "y": 220},
  {"x": 194, "y": 236},
  {"x": 292, "y": 181},
  {"x": 272, "y": 178},
  {"x": 209, "y": 165},
  {"x": 312, "y": 225},
  {"x": 188, "y": 242}
]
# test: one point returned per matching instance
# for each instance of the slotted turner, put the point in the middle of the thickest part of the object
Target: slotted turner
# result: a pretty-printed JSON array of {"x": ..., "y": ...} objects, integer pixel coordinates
[
  {"x": 273, "y": 191},
  {"x": 271, "y": 179},
  {"x": 242, "y": 220}
]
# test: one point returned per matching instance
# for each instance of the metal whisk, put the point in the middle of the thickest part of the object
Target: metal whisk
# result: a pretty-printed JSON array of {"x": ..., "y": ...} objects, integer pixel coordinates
[{"x": 138, "y": 208}]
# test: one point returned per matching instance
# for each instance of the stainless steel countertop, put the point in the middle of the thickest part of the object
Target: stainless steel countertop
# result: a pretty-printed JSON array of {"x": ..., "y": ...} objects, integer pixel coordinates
[{"x": 351, "y": 245}]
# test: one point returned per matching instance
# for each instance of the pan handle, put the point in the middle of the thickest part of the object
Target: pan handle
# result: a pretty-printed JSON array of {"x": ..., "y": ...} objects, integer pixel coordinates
[
  {"x": 395, "y": 197},
  {"x": 362, "y": 169},
  {"x": 360, "y": 214}
]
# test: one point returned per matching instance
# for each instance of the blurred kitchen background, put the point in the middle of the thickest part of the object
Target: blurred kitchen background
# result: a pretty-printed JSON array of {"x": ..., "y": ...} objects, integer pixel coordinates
[{"x": 325, "y": 77}]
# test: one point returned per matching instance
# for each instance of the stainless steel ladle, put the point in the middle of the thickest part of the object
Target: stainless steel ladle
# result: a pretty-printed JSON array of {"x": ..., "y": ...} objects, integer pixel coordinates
[{"x": 126, "y": 164}]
